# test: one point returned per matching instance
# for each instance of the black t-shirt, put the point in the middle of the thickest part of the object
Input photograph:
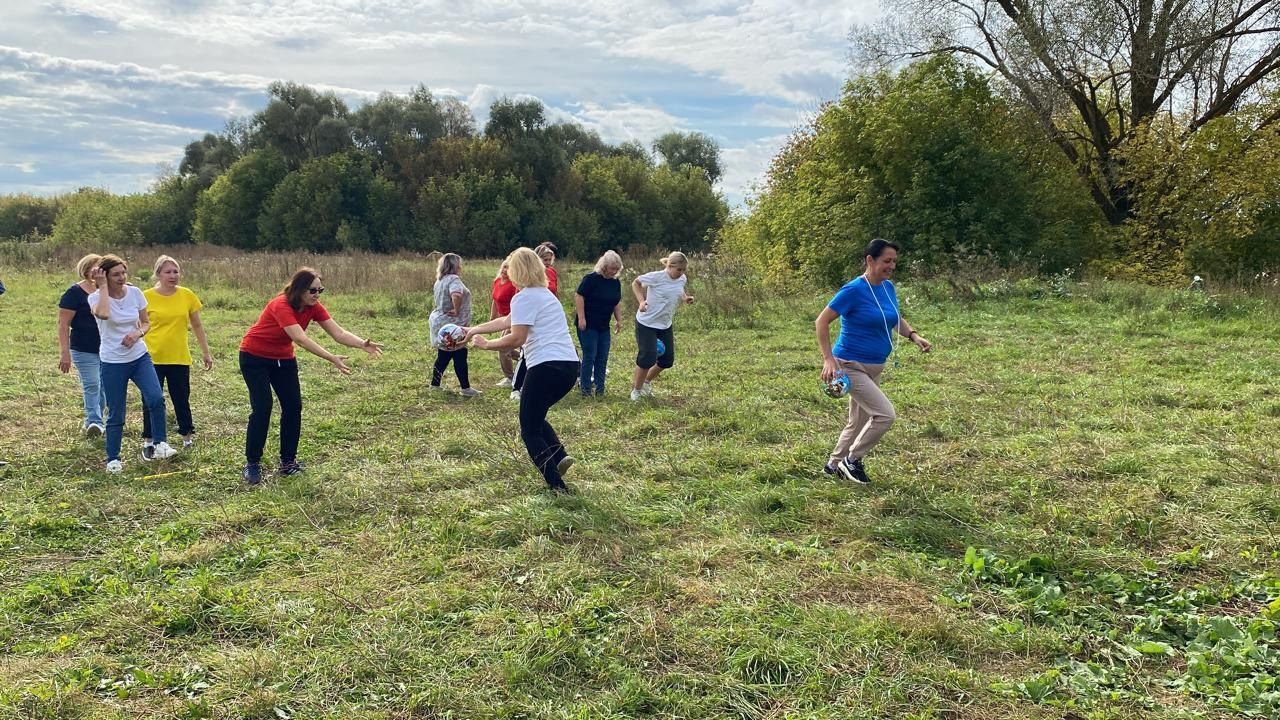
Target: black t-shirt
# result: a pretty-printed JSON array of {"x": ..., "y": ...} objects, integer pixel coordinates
[
  {"x": 599, "y": 296},
  {"x": 84, "y": 329}
]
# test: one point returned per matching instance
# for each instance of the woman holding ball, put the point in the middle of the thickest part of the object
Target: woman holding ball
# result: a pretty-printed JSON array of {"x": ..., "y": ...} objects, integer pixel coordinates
[
  {"x": 537, "y": 324},
  {"x": 659, "y": 293},
  {"x": 453, "y": 306},
  {"x": 868, "y": 310}
]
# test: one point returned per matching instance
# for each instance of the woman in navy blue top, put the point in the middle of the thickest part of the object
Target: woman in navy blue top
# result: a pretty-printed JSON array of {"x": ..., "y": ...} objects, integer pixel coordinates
[
  {"x": 597, "y": 299},
  {"x": 78, "y": 344},
  {"x": 868, "y": 310}
]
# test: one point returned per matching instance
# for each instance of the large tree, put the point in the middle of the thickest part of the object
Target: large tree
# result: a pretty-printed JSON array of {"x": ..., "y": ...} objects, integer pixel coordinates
[
  {"x": 302, "y": 123},
  {"x": 691, "y": 149},
  {"x": 1095, "y": 72}
]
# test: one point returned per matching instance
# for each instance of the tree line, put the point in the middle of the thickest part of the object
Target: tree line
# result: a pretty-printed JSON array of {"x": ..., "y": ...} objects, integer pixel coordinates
[
  {"x": 402, "y": 173},
  {"x": 1133, "y": 138}
]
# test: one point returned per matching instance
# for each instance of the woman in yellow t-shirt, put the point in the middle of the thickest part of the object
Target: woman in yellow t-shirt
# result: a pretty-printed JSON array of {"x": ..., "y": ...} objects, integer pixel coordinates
[{"x": 171, "y": 308}]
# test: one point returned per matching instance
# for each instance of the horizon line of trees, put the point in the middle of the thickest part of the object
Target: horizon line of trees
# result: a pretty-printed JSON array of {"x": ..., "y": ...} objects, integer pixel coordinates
[{"x": 402, "y": 173}]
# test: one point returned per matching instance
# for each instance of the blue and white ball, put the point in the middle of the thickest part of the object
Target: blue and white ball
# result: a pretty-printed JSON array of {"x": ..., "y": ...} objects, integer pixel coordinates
[
  {"x": 838, "y": 386},
  {"x": 452, "y": 337}
]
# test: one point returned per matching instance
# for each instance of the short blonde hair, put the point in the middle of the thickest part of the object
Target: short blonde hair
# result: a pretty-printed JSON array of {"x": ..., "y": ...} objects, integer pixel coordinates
[
  {"x": 607, "y": 260},
  {"x": 87, "y": 263},
  {"x": 525, "y": 269},
  {"x": 677, "y": 259},
  {"x": 161, "y": 262},
  {"x": 450, "y": 264}
]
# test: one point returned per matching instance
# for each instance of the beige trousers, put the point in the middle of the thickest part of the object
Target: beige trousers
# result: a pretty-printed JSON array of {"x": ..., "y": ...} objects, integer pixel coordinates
[{"x": 870, "y": 412}]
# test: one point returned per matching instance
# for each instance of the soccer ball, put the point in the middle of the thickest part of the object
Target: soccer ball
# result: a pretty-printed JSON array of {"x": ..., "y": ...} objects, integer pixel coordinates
[
  {"x": 662, "y": 347},
  {"x": 838, "y": 387},
  {"x": 452, "y": 337}
]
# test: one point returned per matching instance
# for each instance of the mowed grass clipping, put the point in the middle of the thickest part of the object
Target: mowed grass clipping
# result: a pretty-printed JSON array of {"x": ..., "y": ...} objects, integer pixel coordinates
[{"x": 1075, "y": 516}]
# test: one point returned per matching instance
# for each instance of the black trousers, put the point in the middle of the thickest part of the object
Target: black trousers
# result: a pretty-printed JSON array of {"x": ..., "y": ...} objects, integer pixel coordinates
[
  {"x": 544, "y": 385},
  {"x": 178, "y": 378},
  {"x": 459, "y": 359},
  {"x": 261, "y": 376}
]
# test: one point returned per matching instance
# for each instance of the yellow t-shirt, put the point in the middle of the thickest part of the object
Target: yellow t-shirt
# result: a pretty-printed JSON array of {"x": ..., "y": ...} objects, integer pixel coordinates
[{"x": 167, "y": 339}]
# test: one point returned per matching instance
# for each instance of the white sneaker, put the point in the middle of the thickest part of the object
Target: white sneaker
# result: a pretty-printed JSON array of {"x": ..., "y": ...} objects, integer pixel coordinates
[
  {"x": 647, "y": 389},
  {"x": 188, "y": 441},
  {"x": 635, "y": 395},
  {"x": 504, "y": 382},
  {"x": 162, "y": 451},
  {"x": 114, "y": 466},
  {"x": 94, "y": 430},
  {"x": 515, "y": 394},
  {"x": 469, "y": 392}
]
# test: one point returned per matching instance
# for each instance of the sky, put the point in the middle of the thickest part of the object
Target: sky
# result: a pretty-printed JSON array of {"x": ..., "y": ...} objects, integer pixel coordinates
[{"x": 105, "y": 93}]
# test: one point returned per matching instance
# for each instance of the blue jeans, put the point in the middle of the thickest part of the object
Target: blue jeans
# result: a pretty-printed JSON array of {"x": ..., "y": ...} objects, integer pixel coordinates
[
  {"x": 595, "y": 358},
  {"x": 90, "y": 372},
  {"x": 115, "y": 385}
]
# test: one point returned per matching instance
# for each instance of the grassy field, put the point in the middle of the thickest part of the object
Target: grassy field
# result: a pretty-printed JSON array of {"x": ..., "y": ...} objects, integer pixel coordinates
[{"x": 1075, "y": 517}]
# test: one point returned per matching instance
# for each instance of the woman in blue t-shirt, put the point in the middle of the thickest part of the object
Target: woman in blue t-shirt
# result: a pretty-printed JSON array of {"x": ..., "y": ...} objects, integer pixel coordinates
[{"x": 868, "y": 310}]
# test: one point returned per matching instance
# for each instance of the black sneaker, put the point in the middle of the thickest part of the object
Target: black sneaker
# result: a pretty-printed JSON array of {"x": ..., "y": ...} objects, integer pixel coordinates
[
  {"x": 853, "y": 471},
  {"x": 829, "y": 470},
  {"x": 148, "y": 452},
  {"x": 293, "y": 467},
  {"x": 252, "y": 473},
  {"x": 558, "y": 487}
]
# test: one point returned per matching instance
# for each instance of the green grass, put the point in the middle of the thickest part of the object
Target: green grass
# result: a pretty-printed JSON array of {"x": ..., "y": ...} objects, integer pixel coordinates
[{"x": 1074, "y": 517}]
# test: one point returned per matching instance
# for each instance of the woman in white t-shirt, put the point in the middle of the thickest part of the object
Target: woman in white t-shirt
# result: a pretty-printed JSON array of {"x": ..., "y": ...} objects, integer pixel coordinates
[
  {"x": 121, "y": 312},
  {"x": 537, "y": 325},
  {"x": 659, "y": 294}
]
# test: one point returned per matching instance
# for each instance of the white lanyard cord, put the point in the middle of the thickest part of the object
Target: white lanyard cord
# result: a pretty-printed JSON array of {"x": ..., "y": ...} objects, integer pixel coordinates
[{"x": 885, "y": 318}]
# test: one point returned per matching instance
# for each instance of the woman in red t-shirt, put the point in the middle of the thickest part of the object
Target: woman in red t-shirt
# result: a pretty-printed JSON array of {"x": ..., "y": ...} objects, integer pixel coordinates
[
  {"x": 547, "y": 253},
  {"x": 503, "y": 291},
  {"x": 268, "y": 363}
]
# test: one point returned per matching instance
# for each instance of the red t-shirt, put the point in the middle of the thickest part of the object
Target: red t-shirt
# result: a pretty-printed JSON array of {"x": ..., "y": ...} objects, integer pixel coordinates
[
  {"x": 553, "y": 279},
  {"x": 267, "y": 338},
  {"x": 503, "y": 291}
]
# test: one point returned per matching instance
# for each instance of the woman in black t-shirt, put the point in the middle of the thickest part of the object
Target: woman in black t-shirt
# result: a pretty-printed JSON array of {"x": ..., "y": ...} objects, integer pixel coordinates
[
  {"x": 78, "y": 343},
  {"x": 598, "y": 296}
]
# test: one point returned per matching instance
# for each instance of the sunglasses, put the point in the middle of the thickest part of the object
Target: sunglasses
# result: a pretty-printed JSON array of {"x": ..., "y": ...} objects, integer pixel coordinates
[{"x": 315, "y": 291}]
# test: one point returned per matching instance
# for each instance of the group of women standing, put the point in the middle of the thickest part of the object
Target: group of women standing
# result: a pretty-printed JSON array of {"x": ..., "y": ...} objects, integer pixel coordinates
[{"x": 103, "y": 321}]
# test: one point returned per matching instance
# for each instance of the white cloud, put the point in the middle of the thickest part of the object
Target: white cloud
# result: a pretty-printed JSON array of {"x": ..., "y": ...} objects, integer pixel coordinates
[
  {"x": 745, "y": 166},
  {"x": 22, "y": 167},
  {"x": 146, "y": 76},
  {"x": 626, "y": 121}
]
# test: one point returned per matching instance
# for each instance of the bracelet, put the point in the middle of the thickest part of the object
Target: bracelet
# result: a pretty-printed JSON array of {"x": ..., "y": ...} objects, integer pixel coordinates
[{"x": 912, "y": 334}]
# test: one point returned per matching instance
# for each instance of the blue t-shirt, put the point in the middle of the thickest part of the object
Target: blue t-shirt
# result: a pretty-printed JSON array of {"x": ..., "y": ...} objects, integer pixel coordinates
[{"x": 868, "y": 317}]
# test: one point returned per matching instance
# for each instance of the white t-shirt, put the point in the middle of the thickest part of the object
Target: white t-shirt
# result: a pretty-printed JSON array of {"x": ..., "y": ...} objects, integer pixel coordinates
[
  {"x": 549, "y": 338},
  {"x": 664, "y": 296},
  {"x": 122, "y": 321}
]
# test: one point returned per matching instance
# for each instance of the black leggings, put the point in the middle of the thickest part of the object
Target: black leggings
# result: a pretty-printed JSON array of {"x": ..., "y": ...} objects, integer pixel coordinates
[
  {"x": 459, "y": 358},
  {"x": 261, "y": 376},
  {"x": 544, "y": 385},
  {"x": 179, "y": 380}
]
